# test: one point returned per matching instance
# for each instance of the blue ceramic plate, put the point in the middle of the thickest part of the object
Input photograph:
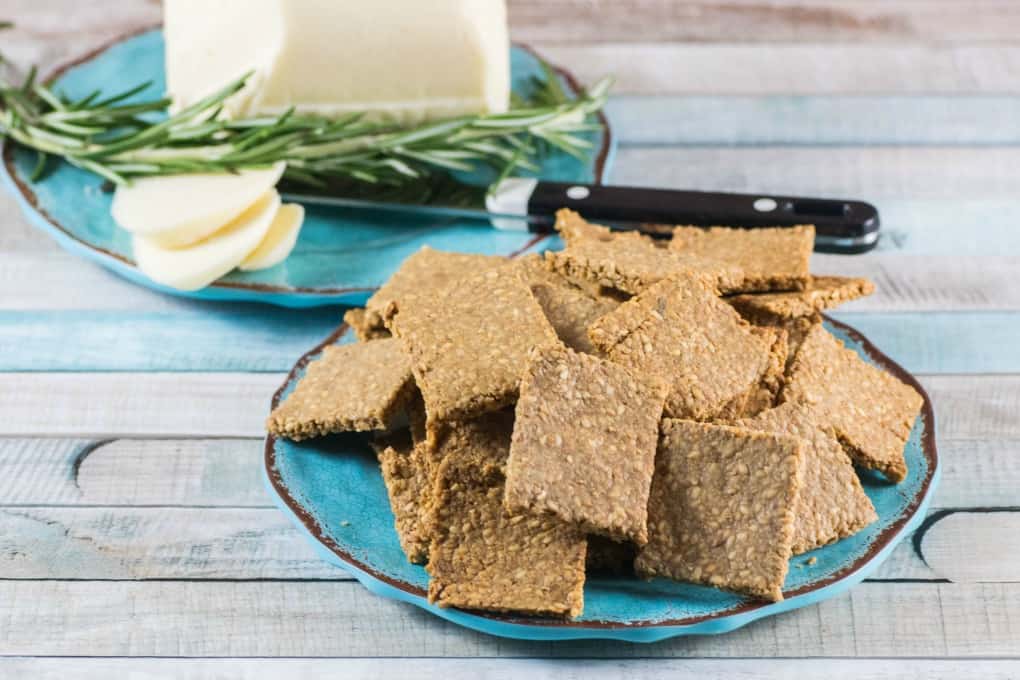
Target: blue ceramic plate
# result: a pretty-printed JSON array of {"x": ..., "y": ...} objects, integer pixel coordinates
[
  {"x": 332, "y": 490},
  {"x": 341, "y": 255}
]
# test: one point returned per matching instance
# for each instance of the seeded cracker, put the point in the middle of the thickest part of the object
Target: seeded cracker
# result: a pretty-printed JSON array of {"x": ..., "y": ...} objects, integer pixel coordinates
[
  {"x": 569, "y": 309},
  {"x": 469, "y": 342},
  {"x": 481, "y": 556},
  {"x": 832, "y": 502},
  {"x": 628, "y": 261},
  {"x": 823, "y": 292},
  {"x": 679, "y": 332},
  {"x": 424, "y": 272},
  {"x": 361, "y": 386},
  {"x": 721, "y": 512},
  {"x": 485, "y": 558},
  {"x": 365, "y": 328},
  {"x": 584, "y": 444},
  {"x": 871, "y": 411},
  {"x": 772, "y": 258}
]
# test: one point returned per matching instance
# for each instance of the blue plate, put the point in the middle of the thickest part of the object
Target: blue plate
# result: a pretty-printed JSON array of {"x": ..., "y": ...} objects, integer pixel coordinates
[
  {"x": 341, "y": 255},
  {"x": 332, "y": 490}
]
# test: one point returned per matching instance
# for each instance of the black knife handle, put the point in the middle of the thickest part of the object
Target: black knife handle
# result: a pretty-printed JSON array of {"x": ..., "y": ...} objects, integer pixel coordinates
[{"x": 840, "y": 226}]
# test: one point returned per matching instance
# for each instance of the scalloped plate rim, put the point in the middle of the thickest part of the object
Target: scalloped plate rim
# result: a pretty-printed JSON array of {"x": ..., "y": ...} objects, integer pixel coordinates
[
  {"x": 295, "y": 297},
  {"x": 641, "y": 631}
]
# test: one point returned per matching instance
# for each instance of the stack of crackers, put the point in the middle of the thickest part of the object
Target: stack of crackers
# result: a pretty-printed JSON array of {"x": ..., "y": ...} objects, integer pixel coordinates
[{"x": 669, "y": 409}]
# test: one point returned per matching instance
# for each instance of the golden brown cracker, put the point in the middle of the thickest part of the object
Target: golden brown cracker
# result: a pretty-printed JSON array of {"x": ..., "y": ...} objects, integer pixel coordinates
[{"x": 722, "y": 508}]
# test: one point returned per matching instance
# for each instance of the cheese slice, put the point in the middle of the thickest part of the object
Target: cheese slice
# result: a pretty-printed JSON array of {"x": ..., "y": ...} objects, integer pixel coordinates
[
  {"x": 178, "y": 210},
  {"x": 399, "y": 60},
  {"x": 279, "y": 240},
  {"x": 200, "y": 264}
]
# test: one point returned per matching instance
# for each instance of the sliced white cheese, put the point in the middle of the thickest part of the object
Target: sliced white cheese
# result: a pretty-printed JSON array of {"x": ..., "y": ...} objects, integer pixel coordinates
[
  {"x": 178, "y": 210},
  {"x": 279, "y": 240},
  {"x": 402, "y": 60},
  {"x": 202, "y": 263}
]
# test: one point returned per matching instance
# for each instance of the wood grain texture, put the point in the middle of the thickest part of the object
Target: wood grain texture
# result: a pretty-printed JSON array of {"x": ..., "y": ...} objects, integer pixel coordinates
[
  {"x": 815, "y": 120},
  {"x": 195, "y": 618},
  {"x": 126, "y": 404},
  {"x": 146, "y": 405},
  {"x": 755, "y": 21},
  {"x": 133, "y": 472},
  {"x": 272, "y": 340},
  {"x": 227, "y": 473},
  {"x": 160, "y": 543},
  {"x": 223, "y": 338},
  {"x": 682, "y": 68},
  {"x": 879, "y": 173},
  {"x": 507, "y": 669},
  {"x": 164, "y": 509},
  {"x": 54, "y": 281}
]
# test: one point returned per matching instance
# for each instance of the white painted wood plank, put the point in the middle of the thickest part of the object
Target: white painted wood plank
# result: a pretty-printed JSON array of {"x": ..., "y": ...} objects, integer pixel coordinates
[
  {"x": 976, "y": 547},
  {"x": 344, "y": 619},
  {"x": 44, "y": 278},
  {"x": 641, "y": 68},
  {"x": 227, "y": 472},
  {"x": 55, "y": 281},
  {"x": 125, "y": 543},
  {"x": 873, "y": 173},
  {"x": 235, "y": 404},
  {"x": 155, "y": 543},
  {"x": 920, "y": 283},
  {"x": 814, "y": 120},
  {"x": 510, "y": 669},
  {"x": 751, "y": 21},
  {"x": 133, "y": 472},
  {"x": 127, "y": 404}
]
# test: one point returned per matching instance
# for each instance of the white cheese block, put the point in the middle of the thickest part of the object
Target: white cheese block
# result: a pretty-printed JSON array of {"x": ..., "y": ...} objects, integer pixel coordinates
[
  {"x": 178, "y": 210},
  {"x": 202, "y": 263},
  {"x": 279, "y": 240},
  {"x": 401, "y": 60}
]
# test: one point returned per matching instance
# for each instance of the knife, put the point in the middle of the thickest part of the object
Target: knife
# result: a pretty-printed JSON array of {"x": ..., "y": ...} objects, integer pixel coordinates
[{"x": 527, "y": 204}]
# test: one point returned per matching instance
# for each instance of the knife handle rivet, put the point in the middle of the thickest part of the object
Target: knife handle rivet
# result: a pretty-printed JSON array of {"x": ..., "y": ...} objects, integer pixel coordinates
[
  {"x": 765, "y": 205},
  {"x": 578, "y": 193}
]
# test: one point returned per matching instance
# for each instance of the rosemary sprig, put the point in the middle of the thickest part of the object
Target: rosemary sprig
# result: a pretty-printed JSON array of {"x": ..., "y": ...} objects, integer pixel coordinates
[{"x": 120, "y": 139}]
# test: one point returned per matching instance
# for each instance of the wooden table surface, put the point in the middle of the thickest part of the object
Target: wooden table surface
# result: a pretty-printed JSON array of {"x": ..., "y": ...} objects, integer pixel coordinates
[{"x": 135, "y": 534}]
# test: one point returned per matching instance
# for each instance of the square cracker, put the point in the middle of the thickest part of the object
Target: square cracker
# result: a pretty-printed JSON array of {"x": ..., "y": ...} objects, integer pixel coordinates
[
  {"x": 722, "y": 508},
  {"x": 822, "y": 292},
  {"x": 361, "y": 386},
  {"x": 469, "y": 342},
  {"x": 583, "y": 444},
  {"x": 679, "y": 332},
  {"x": 423, "y": 272},
  {"x": 483, "y": 557},
  {"x": 832, "y": 502},
  {"x": 628, "y": 261},
  {"x": 569, "y": 308},
  {"x": 773, "y": 258},
  {"x": 870, "y": 410}
]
